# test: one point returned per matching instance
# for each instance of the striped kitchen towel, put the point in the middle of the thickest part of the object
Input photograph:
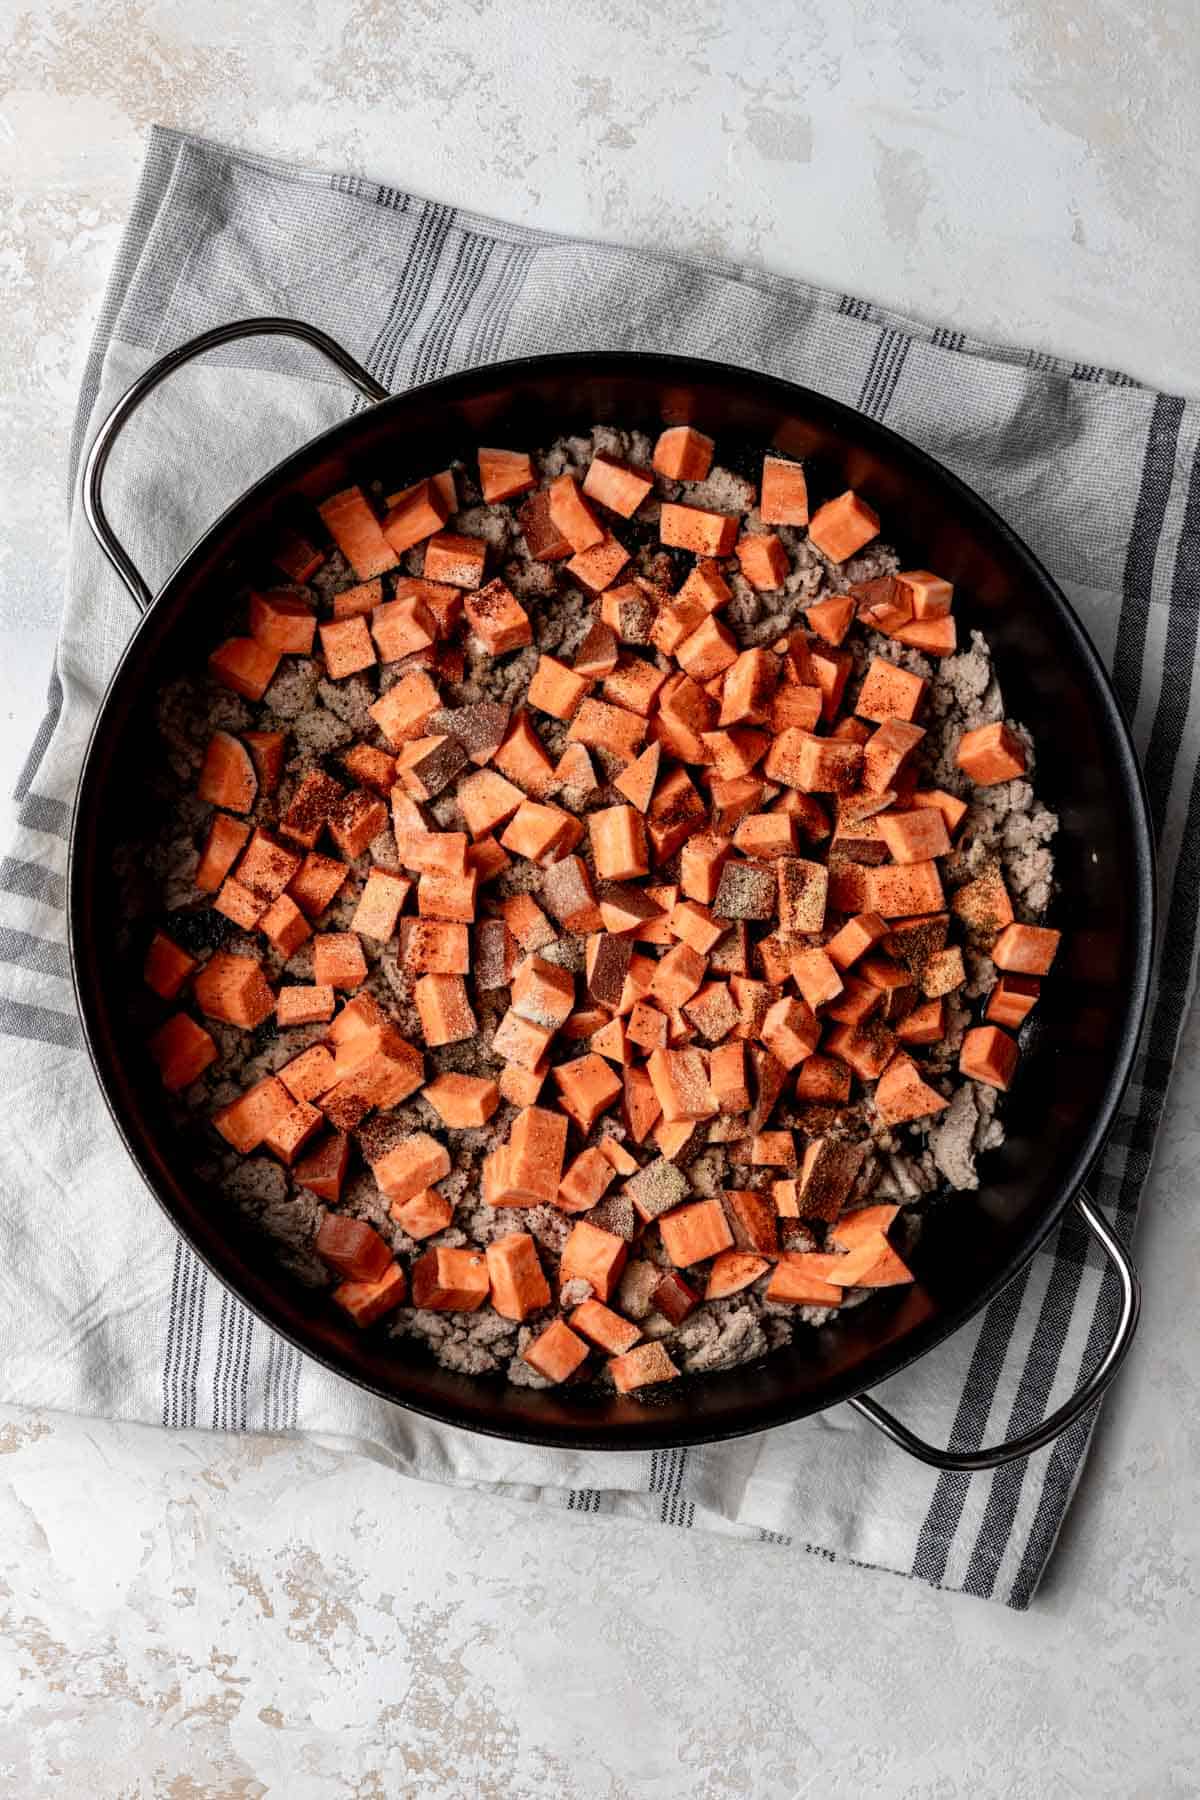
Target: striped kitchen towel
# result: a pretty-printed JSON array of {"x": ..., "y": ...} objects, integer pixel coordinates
[{"x": 107, "y": 1312}]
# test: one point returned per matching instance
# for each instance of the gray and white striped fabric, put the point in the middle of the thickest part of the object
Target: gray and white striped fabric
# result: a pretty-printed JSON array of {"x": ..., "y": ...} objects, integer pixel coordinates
[{"x": 106, "y": 1312}]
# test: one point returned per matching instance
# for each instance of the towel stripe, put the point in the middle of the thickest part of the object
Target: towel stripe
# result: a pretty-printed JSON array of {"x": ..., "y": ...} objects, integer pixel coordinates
[
  {"x": 43, "y": 955},
  {"x": 30, "y": 881},
  {"x": 1178, "y": 657},
  {"x": 1158, "y": 464},
  {"x": 45, "y": 731},
  {"x": 53, "y": 817}
]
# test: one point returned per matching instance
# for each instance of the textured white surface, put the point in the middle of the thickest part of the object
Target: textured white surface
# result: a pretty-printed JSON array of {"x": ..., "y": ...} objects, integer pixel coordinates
[{"x": 199, "y": 1617}]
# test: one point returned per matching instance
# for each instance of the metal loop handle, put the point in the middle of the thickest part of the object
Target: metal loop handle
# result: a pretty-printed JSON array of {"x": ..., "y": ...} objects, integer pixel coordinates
[
  {"x": 972, "y": 1461},
  {"x": 146, "y": 383}
]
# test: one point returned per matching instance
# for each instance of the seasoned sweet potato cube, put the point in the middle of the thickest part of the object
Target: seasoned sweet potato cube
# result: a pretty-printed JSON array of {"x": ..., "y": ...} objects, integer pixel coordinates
[
  {"x": 616, "y": 485},
  {"x": 887, "y": 753},
  {"x": 783, "y": 495},
  {"x": 361, "y": 599},
  {"x": 446, "y": 1280},
  {"x": 503, "y": 474},
  {"x": 317, "y": 883},
  {"x": 522, "y": 757},
  {"x": 865, "y": 1048},
  {"x": 557, "y": 689},
  {"x": 227, "y": 775},
  {"x": 303, "y": 1005},
  {"x": 367, "y": 1301},
  {"x": 832, "y": 618},
  {"x": 925, "y": 1024},
  {"x": 284, "y": 926},
  {"x": 1012, "y": 1000},
  {"x": 182, "y": 1050},
  {"x": 351, "y": 1248},
  {"x": 246, "y": 1121},
  {"x": 338, "y": 959},
  {"x": 587, "y": 1087},
  {"x": 543, "y": 540},
  {"x": 585, "y": 1182},
  {"x": 890, "y": 692},
  {"x": 572, "y": 515},
  {"x": 267, "y": 866},
  {"x": 498, "y": 619},
  {"x": 403, "y": 712},
  {"x": 289, "y": 1134},
  {"x": 1026, "y": 949},
  {"x": 643, "y": 1366},
  {"x": 708, "y": 650},
  {"x": 594, "y": 1256},
  {"x": 379, "y": 905},
  {"x": 763, "y": 560},
  {"x": 462, "y": 1102},
  {"x": 896, "y": 891},
  {"x": 235, "y": 990},
  {"x": 323, "y": 1170},
  {"x": 283, "y": 621},
  {"x": 424, "y": 1215},
  {"x": 556, "y": 1353},
  {"x": 244, "y": 666},
  {"x": 295, "y": 557},
  {"x": 519, "y": 1286},
  {"x": 605, "y": 1328},
  {"x": 692, "y": 528},
  {"x": 568, "y": 893},
  {"x": 455, "y": 559},
  {"x": 990, "y": 754},
  {"x": 351, "y": 523},
  {"x": 683, "y": 454},
  {"x": 900, "y": 1093},
  {"x": 611, "y": 728},
  {"x": 347, "y": 647},
  {"x": 403, "y": 627},
  {"x": 222, "y": 847},
  {"x": 543, "y": 993},
  {"x": 989, "y": 1055},
  {"x": 597, "y": 568},
  {"x": 913, "y": 837},
  {"x": 842, "y": 526},
  {"x": 791, "y": 1284},
  {"x": 618, "y": 843},
  {"x": 732, "y": 1271},
  {"x": 694, "y": 1232},
  {"x": 444, "y": 1010},
  {"x": 166, "y": 967},
  {"x": 983, "y": 904}
]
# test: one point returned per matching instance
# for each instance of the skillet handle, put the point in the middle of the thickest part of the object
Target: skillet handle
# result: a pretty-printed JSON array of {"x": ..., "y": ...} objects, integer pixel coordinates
[
  {"x": 146, "y": 383},
  {"x": 971, "y": 1461}
]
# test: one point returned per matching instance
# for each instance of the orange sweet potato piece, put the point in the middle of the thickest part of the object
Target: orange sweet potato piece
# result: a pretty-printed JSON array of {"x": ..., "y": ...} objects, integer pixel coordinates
[
  {"x": 346, "y": 646},
  {"x": 462, "y": 1102},
  {"x": 519, "y": 1286},
  {"x": 283, "y": 621},
  {"x": 643, "y": 1366},
  {"x": 763, "y": 560},
  {"x": 367, "y": 1301},
  {"x": 245, "y": 666},
  {"x": 323, "y": 1170},
  {"x": 556, "y": 1352},
  {"x": 503, "y": 474},
  {"x": 411, "y": 1166},
  {"x": 1012, "y": 1000},
  {"x": 338, "y": 960},
  {"x": 594, "y": 1256},
  {"x": 890, "y": 692},
  {"x": 167, "y": 966},
  {"x": 363, "y": 598},
  {"x": 694, "y": 1232},
  {"x": 914, "y": 837},
  {"x": 447, "y": 1280},
  {"x": 227, "y": 777},
  {"x": 842, "y": 526},
  {"x": 732, "y": 1271},
  {"x": 605, "y": 1328},
  {"x": 352, "y": 1248},
  {"x": 182, "y": 1050},
  {"x": 422, "y": 1215},
  {"x": 222, "y": 847},
  {"x": 1026, "y": 949},
  {"x": 234, "y": 989},
  {"x": 455, "y": 559},
  {"x": 792, "y": 1285},
  {"x": 783, "y": 494},
  {"x": 498, "y": 619},
  {"x": 929, "y": 596},
  {"x": 989, "y": 1055},
  {"x": 616, "y": 485},
  {"x": 900, "y": 1094},
  {"x": 351, "y": 523},
  {"x": 692, "y": 528},
  {"x": 683, "y": 454},
  {"x": 990, "y": 754},
  {"x": 572, "y": 516},
  {"x": 444, "y": 1010}
]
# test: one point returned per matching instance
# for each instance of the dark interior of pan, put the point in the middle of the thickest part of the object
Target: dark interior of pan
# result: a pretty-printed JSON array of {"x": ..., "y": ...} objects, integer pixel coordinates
[{"x": 1072, "y": 1073}]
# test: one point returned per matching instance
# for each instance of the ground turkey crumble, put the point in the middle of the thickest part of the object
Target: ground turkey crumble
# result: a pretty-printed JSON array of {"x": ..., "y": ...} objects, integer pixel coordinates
[{"x": 1006, "y": 828}]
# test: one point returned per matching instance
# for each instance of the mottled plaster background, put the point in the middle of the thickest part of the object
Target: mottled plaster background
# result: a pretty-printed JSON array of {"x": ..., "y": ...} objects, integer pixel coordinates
[{"x": 194, "y": 1617}]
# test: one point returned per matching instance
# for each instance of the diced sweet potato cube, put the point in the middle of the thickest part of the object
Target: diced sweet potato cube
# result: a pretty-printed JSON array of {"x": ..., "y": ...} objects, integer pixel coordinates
[
  {"x": 245, "y": 666},
  {"x": 597, "y": 568},
  {"x": 227, "y": 776},
  {"x": 450, "y": 1281},
  {"x": 283, "y": 622},
  {"x": 444, "y": 1010},
  {"x": 519, "y": 1286},
  {"x": 556, "y": 1353},
  {"x": 587, "y": 1087},
  {"x": 732, "y": 1271},
  {"x": 708, "y": 650},
  {"x": 616, "y": 485},
  {"x": 310, "y": 1074},
  {"x": 795, "y": 708},
  {"x": 284, "y": 926},
  {"x": 700, "y": 864},
  {"x": 498, "y": 619},
  {"x": 451, "y": 897},
  {"x": 403, "y": 712},
  {"x": 989, "y": 1055},
  {"x": 936, "y": 637},
  {"x": 887, "y": 753},
  {"x": 311, "y": 806},
  {"x": 792, "y": 1285},
  {"x": 983, "y": 904},
  {"x": 694, "y": 1232},
  {"x": 455, "y": 559},
  {"x": 347, "y": 647},
  {"x": 925, "y": 1024},
  {"x": 307, "y": 1005},
  {"x": 643, "y": 1366},
  {"x": 367, "y": 1301},
  {"x": 351, "y": 1247},
  {"x": 359, "y": 600},
  {"x": 289, "y": 1134},
  {"x": 235, "y": 990},
  {"x": 683, "y": 454},
  {"x": 831, "y": 618},
  {"x": 824, "y": 1080},
  {"x": 990, "y": 754},
  {"x": 858, "y": 1001},
  {"x": 647, "y": 1027},
  {"x": 585, "y": 1182},
  {"x": 943, "y": 972},
  {"x": 913, "y": 837},
  {"x": 182, "y": 1050},
  {"x": 605, "y": 1328},
  {"x": 803, "y": 894},
  {"x": 1026, "y": 949},
  {"x": 604, "y": 727},
  {"x": 752, "y": 1219},
  {"x": 402, "y": 628},
  {"x": 618, "y": 843},
  {"x": 338, "y": 959},
  {"x": 783, "y": 496},
  {"x": 865, "y": 1048},
  {"x": 791, "y": 1031},
  {"x": 842, "y": 526},
  {"x": 890, "y": 692},
  {"x": 594, "y": 1256},
  {"x": 503, "y": 474},
  {"x": 1012, "y": 1000},
  {"x": 356, "y": 531},
  {"x": 266, "y": 749},
  {"x": 692, "y": 528},
  {"x": 527, "y": 922},
  {"x": 246, "y": 1121},
  {"x": 522, "y": 758},
  {"x": 411, "y": 1166},
  {"x": 222, "y": 847},
  {"x": 544, "y": 541},
  {"x": 428, "y": 764},
  {"x": 295, "y": 557},
  {"x": 572, "y": 515},
  {"x": 543, "y": 993},
  {"x": 166, "y": 967},
  {"x": 462, "y": 1102},
  {"x": 712, "y": 1011},
  {"x": 900, "y": 1093},
  {"x": 317, "y": 883},
  {"x": 816, "y": 975},
  {"x": 556, "y": 689},
  {"x": 536, "y": 830},
  {"x": 267, "y": 866},
  {"x": 897, "y": 890},
  {"x": 952, "y": 809},
  {"x": 567, "y": 891},
  {"x": 930, "y": 596},
  {"x": 379, "y": 905},
  {"x": 424, "y": 1215}
]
